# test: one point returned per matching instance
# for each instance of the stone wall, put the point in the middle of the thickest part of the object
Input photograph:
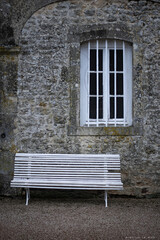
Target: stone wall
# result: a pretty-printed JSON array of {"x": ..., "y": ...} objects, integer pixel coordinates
[
  {"x": 8, "y": 111},
  {"x": 44, "y": 108}
]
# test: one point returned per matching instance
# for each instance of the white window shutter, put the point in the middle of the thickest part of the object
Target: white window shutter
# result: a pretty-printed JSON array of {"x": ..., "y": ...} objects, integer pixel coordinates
[
  {"x": 83, "y": 83},
  {"x": 128, "y": 73}
]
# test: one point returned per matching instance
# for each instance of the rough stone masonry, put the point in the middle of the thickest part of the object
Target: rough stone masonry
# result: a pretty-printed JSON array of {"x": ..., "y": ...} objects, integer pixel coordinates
[{"x": 40, "y": 84}]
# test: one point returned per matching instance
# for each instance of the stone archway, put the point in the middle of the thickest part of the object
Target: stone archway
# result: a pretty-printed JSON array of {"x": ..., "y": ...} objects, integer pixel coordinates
[{"x": 23, "y": 10}]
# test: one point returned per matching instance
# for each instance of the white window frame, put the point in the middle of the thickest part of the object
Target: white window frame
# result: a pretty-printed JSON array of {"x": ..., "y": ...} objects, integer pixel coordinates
[{"x": 85, "y": 81}]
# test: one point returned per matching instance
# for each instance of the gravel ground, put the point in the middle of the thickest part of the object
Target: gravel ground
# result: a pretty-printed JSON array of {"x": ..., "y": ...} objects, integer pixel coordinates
[{"x": 79, "y": 219}]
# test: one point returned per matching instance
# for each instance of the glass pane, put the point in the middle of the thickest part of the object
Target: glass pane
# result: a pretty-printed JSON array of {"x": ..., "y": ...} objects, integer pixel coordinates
[
  {"x": 119, "y": 60},
  {"x": 111, "y": 107},
  {"x": 111, "y": 83},
  {"x": 100, "y": 84},
  {"x": 111, "y": 60},
  {"x": 93, "y": 84},
  {"x": 110, "y": 43},
  {"x": 93, "y": 44},
  {"x": 119, "y": 107},
  {"x": 93, "y": 60},
  {"x": 100, "y": 59},
  {"x": 119, "y": 84},
  {"x": 92, "y": 107},
  {"x": 100, "y": 108},
  {"x": 101, "y": 43},
  {"x": 119, "y": 44}
]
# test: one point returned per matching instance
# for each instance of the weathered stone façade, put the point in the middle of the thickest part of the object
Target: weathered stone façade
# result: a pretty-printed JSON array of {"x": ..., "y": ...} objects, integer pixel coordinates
[{"x": 40, "y": 80}]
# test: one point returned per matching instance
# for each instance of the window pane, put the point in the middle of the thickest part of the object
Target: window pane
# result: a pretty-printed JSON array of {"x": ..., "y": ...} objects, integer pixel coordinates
[
  {"x": 119, "y": 84},
  {"x": 111, "y": 107},
  {"x": 93, "y": 44},
  {"x": 93, "y": 60},
  {"x": 93, "y": 107},
  {"x": 100, "y": 107},
  {"x": 100, "y": 84},
  {"x": 119, "y": 44},
  {"x": 112, "y": 83},
  {"x": 119, "y": 60},
  {"x": 111, "y": 60},
  {"x": 100, "y": 59},
  {"x": 119, "y": 107},
  {"x": 110, "y": 43},
  {"x": 93, "y": 84}
]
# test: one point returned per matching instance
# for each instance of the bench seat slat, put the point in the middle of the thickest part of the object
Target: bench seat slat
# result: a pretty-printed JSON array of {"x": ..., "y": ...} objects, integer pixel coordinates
[
  {"x": 70, "y": 184},
  {"x": 87, "y": 159},
  {"x": 75, "y": 188}
]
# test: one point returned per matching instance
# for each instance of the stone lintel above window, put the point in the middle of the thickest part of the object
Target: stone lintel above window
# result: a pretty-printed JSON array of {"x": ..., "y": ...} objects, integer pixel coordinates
[{"x": 86, "y": 33}]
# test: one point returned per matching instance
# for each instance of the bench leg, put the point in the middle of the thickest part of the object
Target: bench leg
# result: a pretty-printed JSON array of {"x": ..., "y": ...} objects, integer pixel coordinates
[
  {"x": 105, "y": 198},
  {"x": 27, "y": 195}
]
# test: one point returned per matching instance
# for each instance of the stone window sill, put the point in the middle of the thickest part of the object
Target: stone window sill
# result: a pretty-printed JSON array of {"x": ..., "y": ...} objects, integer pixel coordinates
[{"x": 105, "y": 131}]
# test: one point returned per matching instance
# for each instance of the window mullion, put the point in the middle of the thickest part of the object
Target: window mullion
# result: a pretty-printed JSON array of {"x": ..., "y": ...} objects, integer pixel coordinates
[
  {"x": 97, "y": 69},
  {"x": 124, "y": 83},
  {"x": 88, "y": 87},
  {"x": 115, "y": 90},
  {"x": 106, "y": 77}
]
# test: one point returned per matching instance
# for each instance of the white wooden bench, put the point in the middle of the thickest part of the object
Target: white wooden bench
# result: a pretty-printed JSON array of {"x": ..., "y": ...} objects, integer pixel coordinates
[{"x": 67, "y": 171}]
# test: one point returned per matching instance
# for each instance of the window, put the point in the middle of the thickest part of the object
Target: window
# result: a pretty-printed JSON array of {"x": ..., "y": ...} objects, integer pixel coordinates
[{"x": 106, "y": 83}]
